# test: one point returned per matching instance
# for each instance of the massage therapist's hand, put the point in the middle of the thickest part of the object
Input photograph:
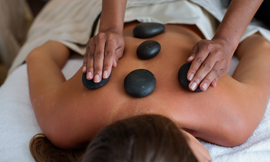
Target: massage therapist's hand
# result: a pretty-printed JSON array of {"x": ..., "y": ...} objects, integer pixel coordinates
[
  {"x": 210, "y": 61},
  {"x": 102, "y": 53}
]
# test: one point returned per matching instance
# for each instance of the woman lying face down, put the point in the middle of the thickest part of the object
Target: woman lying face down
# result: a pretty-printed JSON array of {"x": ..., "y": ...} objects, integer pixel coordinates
[
  {"x": 66, "y": 110},
  {"x": 71, "y": 115}
]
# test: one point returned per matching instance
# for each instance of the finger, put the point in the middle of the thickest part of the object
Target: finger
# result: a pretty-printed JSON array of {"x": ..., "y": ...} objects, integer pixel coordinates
[
  {"x": 118, "y": 54},
  {"x": 221, "y": 72},
  {"x": 90, "y": 62},
  {"x": 220, "y": 67},
  {"x": 108, "y": 58},
  {"x": 114, "y": 62},
  {"x": 214, "y": 83},
  {"x": 198, "y": 60},
  {"x": 204, "y": 70},
  {"x": 85, "y": 59},
  {"x": 99, "y": 57},
  {"x": 193, "y": 53},
  {"x": 210, "y": 78}
]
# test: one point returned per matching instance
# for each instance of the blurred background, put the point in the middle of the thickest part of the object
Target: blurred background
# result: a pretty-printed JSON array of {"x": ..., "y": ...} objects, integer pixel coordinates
[{"x": 16, "y": 17}]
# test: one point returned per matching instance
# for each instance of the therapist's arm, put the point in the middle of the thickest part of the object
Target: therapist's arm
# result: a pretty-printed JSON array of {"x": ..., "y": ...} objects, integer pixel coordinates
[
  {"x": 104, "y": 49},
  {"x": 211, "y": 58}
]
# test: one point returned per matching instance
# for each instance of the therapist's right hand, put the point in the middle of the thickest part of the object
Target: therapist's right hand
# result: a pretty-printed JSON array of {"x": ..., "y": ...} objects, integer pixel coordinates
[{"x": 102, "y": 53}]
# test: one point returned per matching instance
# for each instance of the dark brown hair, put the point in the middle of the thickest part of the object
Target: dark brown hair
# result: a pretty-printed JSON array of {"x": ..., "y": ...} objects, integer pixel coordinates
[
  {"x": 144, "y": 138},
  {"x": 43, "y": 150}
]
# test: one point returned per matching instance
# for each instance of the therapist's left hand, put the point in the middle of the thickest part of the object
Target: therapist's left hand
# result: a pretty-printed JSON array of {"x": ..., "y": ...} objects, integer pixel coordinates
[{"x": 210, "y": 61}]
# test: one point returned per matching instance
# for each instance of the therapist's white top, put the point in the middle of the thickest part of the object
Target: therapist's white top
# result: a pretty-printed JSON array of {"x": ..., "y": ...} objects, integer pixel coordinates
[{"x": 175, "y": 12}]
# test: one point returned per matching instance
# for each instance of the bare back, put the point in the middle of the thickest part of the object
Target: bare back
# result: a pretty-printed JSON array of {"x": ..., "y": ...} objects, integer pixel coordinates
[{"x": 207, "y": 115}]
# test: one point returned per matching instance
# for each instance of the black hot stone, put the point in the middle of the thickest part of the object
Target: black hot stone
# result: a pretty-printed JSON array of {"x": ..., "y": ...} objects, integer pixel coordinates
[
  {"x": 91, "y": 84},
  {"x": 147, "y": 30},
  {"x": 148, "y": 49},
  {"x": 140, "y": 83},
  {"x": 182, "y": 77}
]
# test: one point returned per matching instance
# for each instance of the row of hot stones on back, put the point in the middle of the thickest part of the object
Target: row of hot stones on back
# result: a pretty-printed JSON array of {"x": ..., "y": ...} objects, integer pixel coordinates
[{"x": 142, "y": 82}]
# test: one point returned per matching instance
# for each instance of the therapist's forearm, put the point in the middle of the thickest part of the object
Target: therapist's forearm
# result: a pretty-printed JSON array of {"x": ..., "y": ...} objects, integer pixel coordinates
[
  {"x": 235, "y": 21},
  {"x": 112, "y": 15}
]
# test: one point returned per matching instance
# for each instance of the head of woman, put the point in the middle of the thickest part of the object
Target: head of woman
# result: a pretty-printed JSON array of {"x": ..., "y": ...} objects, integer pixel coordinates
[{"x": 145, "y": 138}]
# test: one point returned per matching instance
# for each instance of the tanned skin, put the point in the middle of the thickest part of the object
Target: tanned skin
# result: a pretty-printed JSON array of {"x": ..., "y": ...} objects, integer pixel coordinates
[{"x": 70, "y": 115}]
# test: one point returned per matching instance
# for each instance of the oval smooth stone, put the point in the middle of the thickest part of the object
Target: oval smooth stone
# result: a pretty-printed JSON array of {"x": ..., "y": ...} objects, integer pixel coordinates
[
  {"x": 148, "y": 49},
  {"x": 140, "y": 83},
  {"x": 182, "y": 77},
  {"x": 147, "y": 30},
  {"x": 91, "y": 84}
]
